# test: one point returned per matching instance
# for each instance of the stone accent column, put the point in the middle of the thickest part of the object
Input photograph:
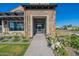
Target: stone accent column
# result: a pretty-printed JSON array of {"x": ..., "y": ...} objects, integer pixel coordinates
[
  {"x": 7, "y": 26},
  {"x": 3, "y": 26},
  {"x": 47, "y": 25},
  {"x": 54, "y": 24},
  {"x": 25, "y": 23},
  {"x": 31, "y": 28}
]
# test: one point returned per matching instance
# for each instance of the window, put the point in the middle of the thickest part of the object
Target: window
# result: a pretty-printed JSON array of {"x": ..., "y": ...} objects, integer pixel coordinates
[
  {"x": 16, "y": 26},
  {"x": 19, "y": 25},
  {"x": 0, "y": 22},
  {"x": 12, "y": 26}
]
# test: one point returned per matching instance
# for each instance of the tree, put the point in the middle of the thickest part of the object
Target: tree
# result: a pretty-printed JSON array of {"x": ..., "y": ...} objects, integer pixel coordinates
[
  {"x": 70, "y": 25},
  {"x": 65, "y": 27}
]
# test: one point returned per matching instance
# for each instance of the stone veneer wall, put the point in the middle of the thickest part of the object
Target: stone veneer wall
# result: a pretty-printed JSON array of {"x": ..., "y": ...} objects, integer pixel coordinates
[{"x": 51, "y": 19}]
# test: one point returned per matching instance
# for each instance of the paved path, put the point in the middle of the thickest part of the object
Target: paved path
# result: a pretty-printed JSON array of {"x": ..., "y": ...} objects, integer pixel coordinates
[{"x": 38, "y": 47}]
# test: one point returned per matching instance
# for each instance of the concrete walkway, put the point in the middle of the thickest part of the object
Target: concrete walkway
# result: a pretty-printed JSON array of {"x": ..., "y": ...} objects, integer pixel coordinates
[{"x": 38, "y": 47}]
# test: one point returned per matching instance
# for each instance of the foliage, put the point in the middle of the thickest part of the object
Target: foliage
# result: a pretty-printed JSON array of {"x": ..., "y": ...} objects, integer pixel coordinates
[
  {"x": 51, "y": 40},
  {"x": 25, "y": 40},
  {"x": 16, "y": 37},
  {"x": 4, "y": 40},
  {"x": 69, "y": 27},
  {"x": 61, "y": 51},
  {"x": 71, "y": 41},
  {"x": 74, "y": 41},
  {"x": 57, "y": 46},
  {"x": 66, "y": 40},
  {"x": 7, "y": 37},
  {"x": 1, "y": 38},
  {"x": 65, "y": 27}
]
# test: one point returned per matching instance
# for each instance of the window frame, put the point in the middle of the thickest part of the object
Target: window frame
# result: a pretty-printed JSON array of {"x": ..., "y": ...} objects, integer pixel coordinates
[{"x": 16, "y": 26}]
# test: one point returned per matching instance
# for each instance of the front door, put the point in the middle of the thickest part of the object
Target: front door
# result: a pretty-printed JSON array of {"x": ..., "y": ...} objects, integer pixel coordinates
[
  {"x": 39, "y": 25},
  {"x": 39, "y": 28}
]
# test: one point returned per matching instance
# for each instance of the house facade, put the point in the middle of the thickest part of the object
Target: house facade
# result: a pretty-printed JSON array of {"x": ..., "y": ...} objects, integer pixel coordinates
[{"x": 29, "y": 19}]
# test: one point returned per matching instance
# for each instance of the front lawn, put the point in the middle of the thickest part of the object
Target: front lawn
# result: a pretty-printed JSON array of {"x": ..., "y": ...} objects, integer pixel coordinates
[{"x": 13, "y": 49}]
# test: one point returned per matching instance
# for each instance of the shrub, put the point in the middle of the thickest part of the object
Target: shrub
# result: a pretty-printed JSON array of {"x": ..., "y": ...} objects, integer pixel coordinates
[
  {"x": 61, "y": 51},
  {"x": 25, "y": 39},
  {"x": 57, "y": 46},
  {"x": 16, "y": 37},
  {"x": 71, "y": 41},
  {"x": 74, "y": 41},
  {"x": 4, "y": 41}
]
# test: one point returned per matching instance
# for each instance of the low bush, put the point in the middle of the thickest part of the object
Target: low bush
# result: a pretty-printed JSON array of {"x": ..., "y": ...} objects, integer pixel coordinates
[
  {"x": 71, "y": 41},
  {"x": 4, "y": 40},
  {"x": 16, "y": 38},
  {"x": 25, "y": 40},
  {"x": 57, "y": 47},
  {"x": 74, "y": 41},
  {"x": 61, "y": 51}
]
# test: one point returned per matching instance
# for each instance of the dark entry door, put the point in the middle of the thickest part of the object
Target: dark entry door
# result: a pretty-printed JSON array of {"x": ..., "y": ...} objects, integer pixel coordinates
[
  {"x": 39, "y": 28},
  {"x": 39, "y": 25}
]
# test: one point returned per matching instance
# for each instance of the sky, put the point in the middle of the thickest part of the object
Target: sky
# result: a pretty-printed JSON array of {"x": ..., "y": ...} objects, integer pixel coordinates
[{"x": 66, "y": 13}]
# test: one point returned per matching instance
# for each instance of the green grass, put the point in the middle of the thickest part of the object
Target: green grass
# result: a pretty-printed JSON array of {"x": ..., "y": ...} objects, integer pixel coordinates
[{"x": 13, "y": 49}]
